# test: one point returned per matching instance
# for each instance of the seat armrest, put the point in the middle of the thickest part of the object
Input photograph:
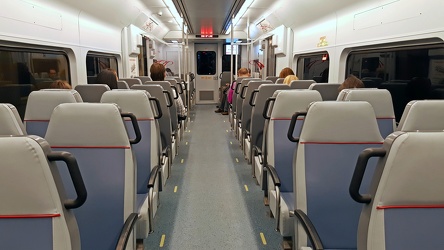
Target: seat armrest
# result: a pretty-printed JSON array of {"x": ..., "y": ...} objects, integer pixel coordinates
[
  {"x": 274, "y": 175},
  {"x": 309, "y": 229},
  {"x": 128, "y": 227},
  {"x": 153, "y": 176},
  {"x": 258, "y": 152}
]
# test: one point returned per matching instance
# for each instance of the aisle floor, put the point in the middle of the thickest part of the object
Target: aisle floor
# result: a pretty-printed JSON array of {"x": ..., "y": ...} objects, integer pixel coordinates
[{"x": 211, "y": 200}]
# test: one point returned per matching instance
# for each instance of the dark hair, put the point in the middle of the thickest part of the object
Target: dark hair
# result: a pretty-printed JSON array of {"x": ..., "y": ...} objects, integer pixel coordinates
[
  {"x": 286, "y": 72},
  {"x": 157, "y": 72},
  {"x": 109, "y": 77}
]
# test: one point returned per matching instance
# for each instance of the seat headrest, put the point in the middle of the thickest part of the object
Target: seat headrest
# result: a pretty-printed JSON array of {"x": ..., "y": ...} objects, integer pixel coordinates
[
  {"x": 413, "y": 172},
  {"x": 425, "y": 115},
  {"x": 28, "y": 185},
  {"x": 380, "y": 99},
  {"x": 87, "y": 124},
  {"x": 92, "y": 92},
  {"x": 290, "y": 101},
  {"x": 74, "y": 93},
  {"x": 10, "y": 121},
  {"x": 134, "y": 101},
  {"x": 41, "y": 103},
  {"x": 332, "y": 121}
]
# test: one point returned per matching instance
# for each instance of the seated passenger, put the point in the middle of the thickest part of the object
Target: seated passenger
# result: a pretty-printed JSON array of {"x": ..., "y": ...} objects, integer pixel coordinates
[
  {"x": 227, "y": 97},
  {"x": 158, "y": 73},
  {"x": 288, "y": 79},
  {"x": 286, "y": 72},
  {"x": 53, "y": 74},
  {"x": 108, "y": 77},
  {"x": 351, "y": 82},
  {"x": 169, "y": 72},
  {"x": 59, "y": 84}
]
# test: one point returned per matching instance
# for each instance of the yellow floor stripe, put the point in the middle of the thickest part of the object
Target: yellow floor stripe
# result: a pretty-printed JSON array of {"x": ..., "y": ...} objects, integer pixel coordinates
[
  {"x": 231, "y": 142},
  {"x": 246, "y": 187},
  {"x": 237, "y": 160},
  {"x": 181, "y": 161},
  {"x": 175, "y": 189},
  {"x": 186, "y": 143},
  {"x": 263, "y": 239},
  {"x": 162, "y": 240},
  {"x": 227, "y": 130}
]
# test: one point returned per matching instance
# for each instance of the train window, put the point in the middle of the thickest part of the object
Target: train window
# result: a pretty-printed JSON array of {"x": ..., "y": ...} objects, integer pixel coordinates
[
  {"x": 96, "y": 62},
  {"x": 206, "y": 62},
  {"x": 409, "y": 73},
  {"x": 313, "y": 67},
  {"x": 25, "y": 70}
]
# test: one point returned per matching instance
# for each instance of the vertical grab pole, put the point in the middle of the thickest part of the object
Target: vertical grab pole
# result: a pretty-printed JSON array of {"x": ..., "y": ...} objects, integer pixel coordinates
[
  {"x": 248, "y": 42},
  {"x": 231, "y": 56},
  {"x": 183, "y": 50}
]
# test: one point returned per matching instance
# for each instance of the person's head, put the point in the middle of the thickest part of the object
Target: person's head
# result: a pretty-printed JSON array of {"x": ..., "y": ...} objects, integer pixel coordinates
[
  {"x": 288, "y": 79},
  {"x": 109, "y": 77},
  {"x": 351, "y": 82},
  {"x": 157, "y": 72},
  {"x": 285, "y": 72},
  {"x": 168, "y": 70},
  {"x": 243, "y": 72},
  {"x": 52, "y": 73},
  {"x": 59, "y": 84}
]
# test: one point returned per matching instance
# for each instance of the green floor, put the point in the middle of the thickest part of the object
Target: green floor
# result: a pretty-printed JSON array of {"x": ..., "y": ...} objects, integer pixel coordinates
[{"x": 211, "y": 200}]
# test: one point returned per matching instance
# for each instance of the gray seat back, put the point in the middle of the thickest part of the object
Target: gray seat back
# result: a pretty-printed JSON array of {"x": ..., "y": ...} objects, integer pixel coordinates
[
  {"x": 328, "y": 91},
  {"x": 405, "y": 190},
  {"x": 424, "y": 115},
  {"x": 382, "y": 104},
  {"x": 41, "y": 105},
  {"x": 225, "y": 78},
  {"x": 10, "y": 121},
  {"x": 332, "y": 136},
  {"x": 173, "y": 108},
  {"x": 33, "y": 197},
  {"x": 164, "y": 121},
  {"x": 237, "y": 95},
  {"x": 92, "y": 92},
  {"x": 122, "y": 84},
  {"x": 246, "y": 107},
  {"x": 131, "y": 81},
  {"x": 259, "y": 99},
  {"x": 99, "y": 140},
  {"x": 272, "y": 78},
  {"x": 301, "y": 84},
  {"x": 279, "y": 80},
  {"x": 144, "y": 78}
]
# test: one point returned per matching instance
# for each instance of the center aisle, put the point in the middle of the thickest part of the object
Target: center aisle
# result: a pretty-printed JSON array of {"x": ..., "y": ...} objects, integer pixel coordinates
[{"x": 211, "y": 200}]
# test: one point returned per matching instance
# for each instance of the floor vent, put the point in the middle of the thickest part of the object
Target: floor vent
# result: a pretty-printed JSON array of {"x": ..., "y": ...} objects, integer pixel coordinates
[{"x": 206, "y": 95}]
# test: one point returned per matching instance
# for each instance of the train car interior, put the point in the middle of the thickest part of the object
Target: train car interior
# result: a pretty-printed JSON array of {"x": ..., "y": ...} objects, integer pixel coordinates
[{"x": 238, "y": 124}]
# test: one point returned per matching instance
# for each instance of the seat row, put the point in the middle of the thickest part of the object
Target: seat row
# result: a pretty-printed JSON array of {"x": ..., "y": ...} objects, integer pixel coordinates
[
  {"x": 278, "y": 112},
  {"x": 98, "y": 129}
]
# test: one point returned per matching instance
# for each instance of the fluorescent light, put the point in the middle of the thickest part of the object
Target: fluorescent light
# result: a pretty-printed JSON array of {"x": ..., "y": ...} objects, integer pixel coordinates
[
  {"x": 170, "y": 5},
  {"x": 239, "y": 15},
  {"x": 174, "y": 41}
]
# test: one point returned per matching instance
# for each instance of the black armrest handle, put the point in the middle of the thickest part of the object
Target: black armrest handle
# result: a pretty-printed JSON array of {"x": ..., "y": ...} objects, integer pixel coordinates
[
  {"x": 153, "y": 176},
  {"x": 294, "y": 119},
  {"x": 309, "y": 229},
  {"x": 135, "y": 126},
  {"x": 274, "y": 175},
  {"x": 237, "y": 88},
  {"x": 76, "y": 178},
  {"x": 258, "y": 152},
  {"x": 180, "y": 88},
  {"x": 253, "y": 97},
  {"x": 265, "y": 114},
  {"x": 126, "y": 231},
  {"x": 243, "y": 90},
  {"x": 358, "y": 174},
  {"x": 169, "y": 98},
  {"x": 176, "y": 92},
  {"x": 158, "y": 109}
]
